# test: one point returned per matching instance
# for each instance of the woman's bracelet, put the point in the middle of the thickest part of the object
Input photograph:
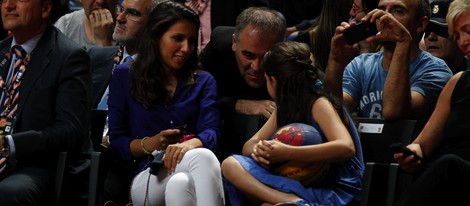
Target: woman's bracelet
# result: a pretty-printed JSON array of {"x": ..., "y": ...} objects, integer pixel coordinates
[{"x": 143, "y": 147}]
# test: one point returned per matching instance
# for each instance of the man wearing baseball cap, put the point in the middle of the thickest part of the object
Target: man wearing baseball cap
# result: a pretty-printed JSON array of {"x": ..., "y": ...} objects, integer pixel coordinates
[{"x": 437, "y": 40}]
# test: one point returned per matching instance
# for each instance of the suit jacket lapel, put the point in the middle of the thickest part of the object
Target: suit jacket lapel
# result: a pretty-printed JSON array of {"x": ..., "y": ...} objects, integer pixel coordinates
[
  {"x": 102, "y": 65},
  {"x": 37, "y": 64},
  {"x": 4, "y": 48}
]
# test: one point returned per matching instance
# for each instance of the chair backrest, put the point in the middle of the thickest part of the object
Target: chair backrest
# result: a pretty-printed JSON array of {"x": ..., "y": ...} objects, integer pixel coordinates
[
  {"x": 59, "y": 177},
  {"x": 383, "y": 181},
  {"x": 98, "y": 122},
  {"x": 377, "y": 135}
]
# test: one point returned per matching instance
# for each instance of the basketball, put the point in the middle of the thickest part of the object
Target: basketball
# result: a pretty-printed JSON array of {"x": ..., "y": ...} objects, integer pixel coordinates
[{"x": 298, "y": 134}]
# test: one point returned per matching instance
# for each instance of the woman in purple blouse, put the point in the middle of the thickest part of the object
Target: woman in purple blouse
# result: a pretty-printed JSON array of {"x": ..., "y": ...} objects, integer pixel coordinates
[{"x": 151, "y": 98}]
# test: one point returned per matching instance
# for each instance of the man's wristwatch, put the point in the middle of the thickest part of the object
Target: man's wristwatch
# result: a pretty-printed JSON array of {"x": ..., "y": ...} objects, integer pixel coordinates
[{"x": 5, "y": 151}]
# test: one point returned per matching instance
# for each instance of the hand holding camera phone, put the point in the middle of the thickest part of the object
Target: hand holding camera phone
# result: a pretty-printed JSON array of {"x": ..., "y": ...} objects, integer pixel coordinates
[
  {"x": 399, "y": 147},
  {"x": 360, "y": 32},
  {"x": 178, "y": 137}
]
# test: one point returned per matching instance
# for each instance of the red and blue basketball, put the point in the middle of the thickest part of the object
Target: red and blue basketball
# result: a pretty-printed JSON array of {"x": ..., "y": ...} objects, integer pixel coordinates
[{"x": 299, "y": 134}]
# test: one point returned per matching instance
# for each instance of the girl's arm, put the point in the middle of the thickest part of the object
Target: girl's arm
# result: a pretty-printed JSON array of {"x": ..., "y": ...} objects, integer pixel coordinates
[
  {"x": 339, "y": 145},
  {"x": 268, "y": 128}
]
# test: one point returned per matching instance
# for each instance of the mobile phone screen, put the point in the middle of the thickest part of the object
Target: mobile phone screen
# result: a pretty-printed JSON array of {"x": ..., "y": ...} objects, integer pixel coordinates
[
  {"x": 182, "y": 128},
  {"x": 178, "y": 137},
  {"x": 359, "y": 32}
]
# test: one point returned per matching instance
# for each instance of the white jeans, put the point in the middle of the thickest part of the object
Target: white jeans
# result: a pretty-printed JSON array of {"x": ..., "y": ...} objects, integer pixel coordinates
[{"x": 197, "y": 180}]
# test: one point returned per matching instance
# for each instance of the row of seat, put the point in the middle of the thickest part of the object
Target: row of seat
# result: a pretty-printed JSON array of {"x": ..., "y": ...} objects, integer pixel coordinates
[
  {"x": 383, "y": 180},
  {"x": 96, "y": 172}
]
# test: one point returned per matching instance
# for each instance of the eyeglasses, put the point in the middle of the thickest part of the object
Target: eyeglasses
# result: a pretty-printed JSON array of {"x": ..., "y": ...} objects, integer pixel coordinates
[
  {"x": 356, "y": 9},
  {"x": 130, "y": 14}
]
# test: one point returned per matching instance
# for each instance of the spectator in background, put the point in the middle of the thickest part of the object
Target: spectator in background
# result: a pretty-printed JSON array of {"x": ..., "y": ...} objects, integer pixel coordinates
[
  {"x": 91, "y": 26},
  {"x": 158, "y": 92},
  {"x": 358, "y": 10},
  {"x": 437, "y": 41},
  {"x": 203, "y": 9},
  {"x": 300, "y": 15},
  {"x": 444, "y": 141},
  {"x": 400, "y": 82},
  {"x": 233, "y": 57},
  {"x": 131, "y": 17},
  {"x": 319, "y": 36},
  {"x": 50, "y": 111}
]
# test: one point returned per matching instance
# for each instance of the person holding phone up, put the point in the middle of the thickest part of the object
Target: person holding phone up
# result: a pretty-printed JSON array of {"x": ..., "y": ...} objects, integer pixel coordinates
[
  {"x": 444, "y": 142},
  {"x": 400, "y": 82}
]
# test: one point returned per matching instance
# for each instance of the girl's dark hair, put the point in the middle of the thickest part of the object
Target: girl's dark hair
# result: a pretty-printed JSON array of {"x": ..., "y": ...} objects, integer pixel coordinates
[
  {"x": 298, "y": 85},
  {"x": 149, "y": 76}
]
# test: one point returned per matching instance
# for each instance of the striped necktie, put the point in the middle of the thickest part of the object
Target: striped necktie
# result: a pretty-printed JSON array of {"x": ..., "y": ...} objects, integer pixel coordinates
[{"x": 12, "y": 92}]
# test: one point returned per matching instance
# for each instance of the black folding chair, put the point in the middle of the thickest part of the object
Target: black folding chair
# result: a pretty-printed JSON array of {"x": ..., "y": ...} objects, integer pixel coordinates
[{"x": 383, "y": 180}]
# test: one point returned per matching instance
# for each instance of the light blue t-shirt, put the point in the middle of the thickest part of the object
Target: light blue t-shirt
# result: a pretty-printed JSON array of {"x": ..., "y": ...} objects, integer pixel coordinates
[{"x": 364, "y": 79}]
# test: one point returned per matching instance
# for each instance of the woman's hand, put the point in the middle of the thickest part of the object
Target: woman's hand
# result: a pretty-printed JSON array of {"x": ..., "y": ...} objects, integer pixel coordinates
[
  {"x": 410, "y": 163},
  {"x": 173, "y": 155},
  {"x": 166, "y": 137}
]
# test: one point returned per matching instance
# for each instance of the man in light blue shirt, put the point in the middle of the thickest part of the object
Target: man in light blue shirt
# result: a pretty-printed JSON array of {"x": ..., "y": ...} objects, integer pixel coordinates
[{"x": 400, "y": 82}]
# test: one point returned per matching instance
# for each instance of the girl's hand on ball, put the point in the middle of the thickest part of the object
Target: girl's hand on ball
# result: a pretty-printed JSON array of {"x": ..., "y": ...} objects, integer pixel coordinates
[
  {"x": 278, "y": 151},
  {"x": 260, "y": 153}
]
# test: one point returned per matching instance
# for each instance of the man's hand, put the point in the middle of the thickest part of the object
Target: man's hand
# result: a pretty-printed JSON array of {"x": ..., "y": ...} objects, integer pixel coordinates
[
  {"x": 255, "y": 107},
  {"x": 102, "y": 23},
  {"x": 390, "y": 29},
  {"x": 341, "y": 51}
]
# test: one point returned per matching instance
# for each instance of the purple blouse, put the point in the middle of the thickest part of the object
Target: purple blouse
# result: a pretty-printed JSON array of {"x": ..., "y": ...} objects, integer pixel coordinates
[{"x": 193, "y": 105}]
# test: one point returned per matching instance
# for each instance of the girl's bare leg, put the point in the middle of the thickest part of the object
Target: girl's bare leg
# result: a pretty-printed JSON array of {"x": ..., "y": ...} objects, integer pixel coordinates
[{"x": 250, "y": 186}]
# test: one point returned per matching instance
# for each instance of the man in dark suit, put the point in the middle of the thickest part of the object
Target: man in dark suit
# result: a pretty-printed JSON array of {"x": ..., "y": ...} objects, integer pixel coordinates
[
  {"x": 102, "y": 64},
  {"x": 233, "y": 56},
  {"x": 53, "y": 104}
]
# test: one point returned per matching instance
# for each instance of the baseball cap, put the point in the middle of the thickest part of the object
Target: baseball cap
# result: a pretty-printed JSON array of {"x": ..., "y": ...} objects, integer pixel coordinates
[
  {"x": 439, "y": 10},
  {"x": 437, "y": 22}
]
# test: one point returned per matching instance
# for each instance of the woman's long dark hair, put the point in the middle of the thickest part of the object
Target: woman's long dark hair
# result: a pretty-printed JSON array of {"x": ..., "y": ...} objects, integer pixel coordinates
[
  {"x": 332, "y": 14},
  {"x": 298, "y": 85},
  {"x": 148, "y": 75}
]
